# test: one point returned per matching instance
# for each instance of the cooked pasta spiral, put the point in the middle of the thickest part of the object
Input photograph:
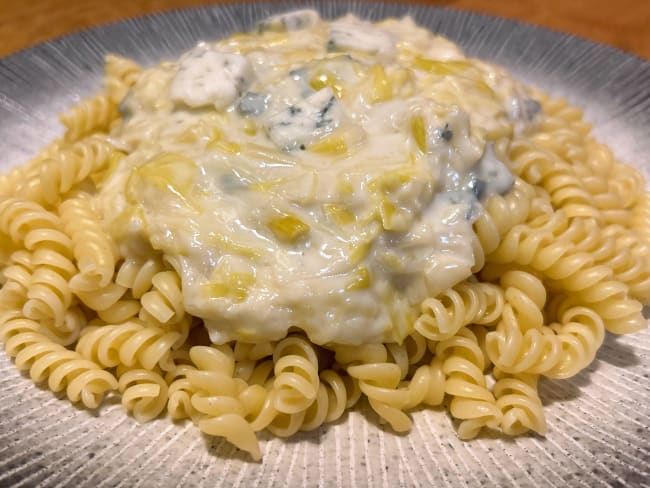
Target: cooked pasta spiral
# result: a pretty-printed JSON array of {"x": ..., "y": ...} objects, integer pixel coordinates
[
  {"x": 164, "y": 303},
  {"x": 120, "y": 75},
  {"x": 82, "y": 380},
  {"x": 21, "y": 180},
  {"x": 90, "y": 116},
  {"x": 131, "y": 344},
  {"x": 502, "y": 213},
  {"x": 40, "y": 231},
  {"x": 628, "y": 267},
  {"x": 581, "y": 333},
  {"x": 641, "y": 218},
  {"x": 516, "y": 396},
  {"x": 17, "y": 277},
  {"x": 94, "y": 250},
  {"x": 180, "y": 391},
  {"x": 132, "y": 280},
  {"x": 217, "y": 400},
  {"x": 137, "y": 275},
  {"x": 13, "y": 321},
  {"x": 296, "y": 375},
  {"x": 521, "y": 342},
  {"x": 471, "y": 400},
  {"x": 469, "y": 302},
  {"x": 71, "y": 166},
  {"x": 144, "y": 392},
  {"x": 380, "y": 380},
  {"x": 546, "y": 169}
]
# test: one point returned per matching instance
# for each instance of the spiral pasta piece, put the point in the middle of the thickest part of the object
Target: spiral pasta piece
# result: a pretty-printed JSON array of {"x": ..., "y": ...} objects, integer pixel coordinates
[
  {"x": 469, "y": 302},
  {"x": 13, "y": 321},
  {"x": 641, "y": 218},
  {"x": 120, "y": 75},
  {"x": 535, "y": 350},
  {"x": 17, "y": 279},
  {"x": 180, "y": 391},
  {"x": 131, "y": 344},
  {"x": 21, "y": 180},
  {"x": 296, "y": 375},
  {"x": 546, "y": 169},
  {"x": 40, "y": 231},
  {"x": 137, "y": 275},
  {"x": 94, "y": 250},
  {"x": 19, "y": 217},
  {"x": 516, "y": 396},
  {"x": 389, "y": 397},
  {"x": 471, "y": 400},
  {"x": 82, "y": 380},
  {"x": 73, "y": 165},
  {"x": 144, "y": 393},
  {"x": 502, "y": 213},
  {"x": 164, "y": 303},
  {"x": 132, "y": 280},
  {"x": 581, "y": 332},
  {"x": 629, "y": 267},
  {"x": 521, "y": 342},
  {"x": 221, "y": 412},
  {"x": 90, "y": 116}
]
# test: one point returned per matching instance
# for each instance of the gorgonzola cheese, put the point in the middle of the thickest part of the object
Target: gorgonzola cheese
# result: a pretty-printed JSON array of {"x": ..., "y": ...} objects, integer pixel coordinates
[{"x": 209, "y": 77}]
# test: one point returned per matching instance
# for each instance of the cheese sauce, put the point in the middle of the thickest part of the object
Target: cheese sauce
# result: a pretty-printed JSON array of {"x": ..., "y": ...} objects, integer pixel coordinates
[{"x": 313, "y": 175}]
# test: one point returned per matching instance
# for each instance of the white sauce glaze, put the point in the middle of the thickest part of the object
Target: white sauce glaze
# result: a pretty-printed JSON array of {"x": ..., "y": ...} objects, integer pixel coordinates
[{"x": 292, "y": 186}]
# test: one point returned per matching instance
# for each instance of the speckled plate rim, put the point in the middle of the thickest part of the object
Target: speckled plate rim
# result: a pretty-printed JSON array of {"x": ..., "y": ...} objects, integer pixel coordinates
[{"x": 598, "y": 420}]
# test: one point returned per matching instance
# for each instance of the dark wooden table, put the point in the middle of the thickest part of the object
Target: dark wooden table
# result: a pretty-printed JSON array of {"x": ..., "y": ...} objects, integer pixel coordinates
[{"x": 621, "y": 23}]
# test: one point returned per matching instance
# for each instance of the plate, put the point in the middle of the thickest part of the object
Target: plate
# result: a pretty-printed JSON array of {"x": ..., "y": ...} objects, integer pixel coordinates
[{"x": 598, "y": 421}]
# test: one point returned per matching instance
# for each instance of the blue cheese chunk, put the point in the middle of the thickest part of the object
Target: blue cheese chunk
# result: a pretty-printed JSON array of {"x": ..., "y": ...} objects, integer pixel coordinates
[
  {"x": 253, "y": 103},
  {"x": 290, "y": 21},
  {"x": 493, "y": 175},
  {"x": 209, "y": 77},
  {"x": 523, "y": 109},
  {"x": 304, "y": 122},
  {"x": 350, "y": 33}
]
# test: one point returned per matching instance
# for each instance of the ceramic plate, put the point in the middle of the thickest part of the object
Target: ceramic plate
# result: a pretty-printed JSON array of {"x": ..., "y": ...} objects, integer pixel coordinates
[{"x": 598, "y": 421}]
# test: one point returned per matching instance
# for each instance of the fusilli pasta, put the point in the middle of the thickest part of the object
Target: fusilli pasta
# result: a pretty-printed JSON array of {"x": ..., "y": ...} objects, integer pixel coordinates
[{"x": 92, "y": 303}]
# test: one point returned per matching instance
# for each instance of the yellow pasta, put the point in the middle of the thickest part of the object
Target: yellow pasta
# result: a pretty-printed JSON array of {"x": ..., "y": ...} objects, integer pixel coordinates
[
  {"x": 521, "y": 408},
  {"x": 455, "y": 240},
  {"x": 17, "y": 277},
  {"x": 471, "y": 400},
  {"x": 90, "y": 116},
  {"x": 130, "y": 344},
  {"x": 164, "y": 303},
  {"x": 94, "y": 251},
  {"x": 467, "y": 303},
  {"x": 144, "y": 393},
  {"x": 120, "y": 75}
]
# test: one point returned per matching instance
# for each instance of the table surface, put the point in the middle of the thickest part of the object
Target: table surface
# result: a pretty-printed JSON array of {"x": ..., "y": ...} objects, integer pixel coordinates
[{"x": 621, "y": 23}]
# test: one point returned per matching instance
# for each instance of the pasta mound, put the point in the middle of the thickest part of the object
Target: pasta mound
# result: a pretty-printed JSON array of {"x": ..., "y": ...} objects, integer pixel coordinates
[{"x": 563, "y": 258}]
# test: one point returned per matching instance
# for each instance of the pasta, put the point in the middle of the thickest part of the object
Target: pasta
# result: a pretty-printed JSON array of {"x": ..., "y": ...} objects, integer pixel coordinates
[{"x": 499, "y": 251}]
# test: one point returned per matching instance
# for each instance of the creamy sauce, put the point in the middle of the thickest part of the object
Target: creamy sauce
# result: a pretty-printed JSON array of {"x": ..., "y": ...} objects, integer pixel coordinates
[{"x": 315, "y": 175}]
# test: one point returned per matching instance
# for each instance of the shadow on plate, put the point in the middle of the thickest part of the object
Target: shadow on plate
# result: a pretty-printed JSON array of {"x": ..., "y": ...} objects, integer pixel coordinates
[{"x": 616, "y": 353}]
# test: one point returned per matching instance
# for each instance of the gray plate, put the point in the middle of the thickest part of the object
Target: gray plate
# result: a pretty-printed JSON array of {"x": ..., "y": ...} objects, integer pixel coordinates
[{"x": 598, "y": 421}]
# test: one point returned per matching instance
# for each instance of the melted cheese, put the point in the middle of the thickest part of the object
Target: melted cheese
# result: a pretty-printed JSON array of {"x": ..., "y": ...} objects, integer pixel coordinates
[{"x": 315, "y": 175}]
